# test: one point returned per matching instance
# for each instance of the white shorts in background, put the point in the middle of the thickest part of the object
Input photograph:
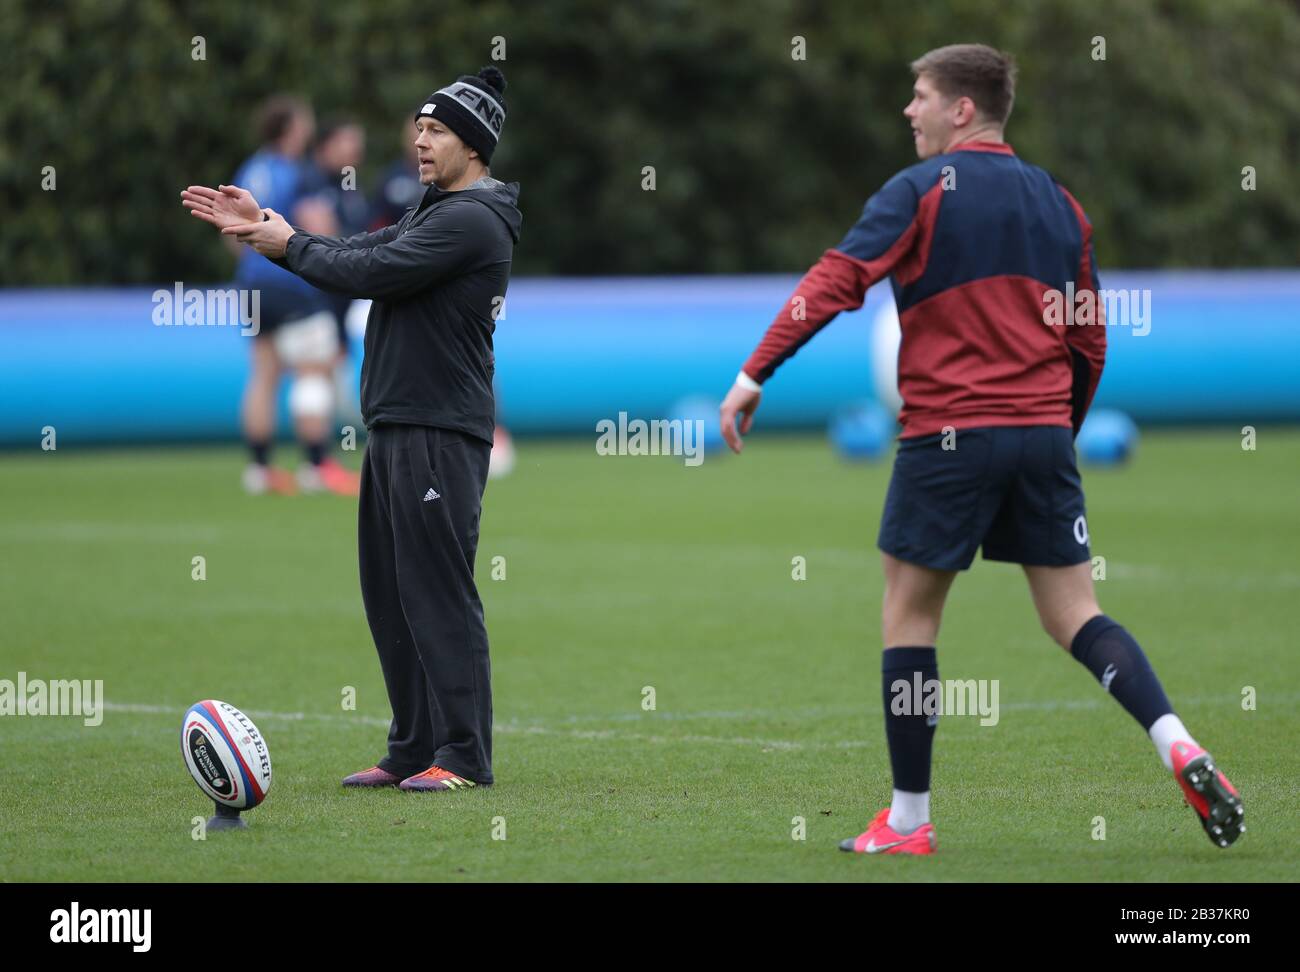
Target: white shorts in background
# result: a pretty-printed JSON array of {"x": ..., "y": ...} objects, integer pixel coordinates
[{"x": 312, "y": 340}]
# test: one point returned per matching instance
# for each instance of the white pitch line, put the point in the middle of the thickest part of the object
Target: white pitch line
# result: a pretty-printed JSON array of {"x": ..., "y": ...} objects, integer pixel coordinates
[
  {"x": 96, "y": 532},
  {"x": 506, "y": 728},
  {"x": 822, "y": 711},
  {"x": 784, "y": 745}
]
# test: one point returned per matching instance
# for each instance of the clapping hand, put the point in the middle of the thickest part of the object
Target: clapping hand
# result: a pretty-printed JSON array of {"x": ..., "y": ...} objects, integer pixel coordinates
[{"x": 222, "y": 207}]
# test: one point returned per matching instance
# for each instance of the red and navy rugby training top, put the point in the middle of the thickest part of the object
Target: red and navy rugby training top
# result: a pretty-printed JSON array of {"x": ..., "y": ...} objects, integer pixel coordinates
[{"x": 972, "y": 268}]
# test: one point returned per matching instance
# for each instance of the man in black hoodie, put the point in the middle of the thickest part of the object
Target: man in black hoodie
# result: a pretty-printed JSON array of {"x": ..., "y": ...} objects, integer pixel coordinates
[{"x": 438, "y": 281}]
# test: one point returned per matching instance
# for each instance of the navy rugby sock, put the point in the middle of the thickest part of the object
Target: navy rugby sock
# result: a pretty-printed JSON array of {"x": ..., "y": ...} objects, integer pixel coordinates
[
  {"x": 1110, "y": 653},
  {"x": 909, "y": 730}
]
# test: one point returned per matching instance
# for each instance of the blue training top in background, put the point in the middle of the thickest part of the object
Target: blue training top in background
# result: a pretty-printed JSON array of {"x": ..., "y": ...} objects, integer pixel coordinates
[{"x": 277, "y": 182}]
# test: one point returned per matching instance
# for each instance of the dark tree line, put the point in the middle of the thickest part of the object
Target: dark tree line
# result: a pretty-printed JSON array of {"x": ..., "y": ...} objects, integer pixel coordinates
[{"x": 760, "y": 159}]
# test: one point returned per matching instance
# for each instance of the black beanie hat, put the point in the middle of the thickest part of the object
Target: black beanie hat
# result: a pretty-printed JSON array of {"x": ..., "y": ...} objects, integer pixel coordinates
[{"x": 473, "y": 107}]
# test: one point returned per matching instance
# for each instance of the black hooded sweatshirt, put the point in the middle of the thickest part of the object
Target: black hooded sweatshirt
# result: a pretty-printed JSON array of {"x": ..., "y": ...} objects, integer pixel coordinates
[{"x": 438, "y": 281}]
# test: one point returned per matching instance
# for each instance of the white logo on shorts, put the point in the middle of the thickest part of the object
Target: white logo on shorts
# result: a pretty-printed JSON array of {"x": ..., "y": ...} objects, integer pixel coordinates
[{"x": 1081, "y": 529}]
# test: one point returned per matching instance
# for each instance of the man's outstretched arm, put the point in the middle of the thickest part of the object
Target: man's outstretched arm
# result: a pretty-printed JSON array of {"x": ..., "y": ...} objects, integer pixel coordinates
[
  {"x": 882, "y": 238},
  {"x": 442, "y": 246},
  {"x": 228, "y": 206},
  {"x": 358, "y": 241}
]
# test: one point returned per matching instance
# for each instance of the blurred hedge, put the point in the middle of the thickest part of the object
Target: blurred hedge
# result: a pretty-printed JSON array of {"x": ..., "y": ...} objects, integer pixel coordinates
[{"x": 762, "y": 161}]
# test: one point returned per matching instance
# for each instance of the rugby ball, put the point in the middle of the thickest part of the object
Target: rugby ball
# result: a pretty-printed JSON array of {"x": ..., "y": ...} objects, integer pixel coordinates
[
  {"x": 226, "y": 754},
  {"x": 1108, "y": 438}
]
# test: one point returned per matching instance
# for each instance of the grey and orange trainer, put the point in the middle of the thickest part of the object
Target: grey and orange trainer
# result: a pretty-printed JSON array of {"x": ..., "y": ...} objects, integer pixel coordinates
[{"x": 372, "y": 777}]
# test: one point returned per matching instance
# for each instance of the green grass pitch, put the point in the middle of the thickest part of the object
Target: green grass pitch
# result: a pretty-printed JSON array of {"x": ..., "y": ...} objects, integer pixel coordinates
[{"x": 623, "y": 573}]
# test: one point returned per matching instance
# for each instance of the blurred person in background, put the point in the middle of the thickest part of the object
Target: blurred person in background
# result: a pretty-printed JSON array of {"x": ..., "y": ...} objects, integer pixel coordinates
[
  {"x": 338, "y": 206},
  {"x": 399, "y": 187},
  {"x": 335, "y": 201},
  {"x": 297, "y": 331}
]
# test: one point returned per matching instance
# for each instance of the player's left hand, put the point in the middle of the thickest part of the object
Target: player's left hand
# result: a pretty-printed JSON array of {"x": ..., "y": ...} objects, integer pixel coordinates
[
  {"x": 223, "y": 206},
  {"x": 269, "y": 237},
  {"x": 739, "y": 401}
]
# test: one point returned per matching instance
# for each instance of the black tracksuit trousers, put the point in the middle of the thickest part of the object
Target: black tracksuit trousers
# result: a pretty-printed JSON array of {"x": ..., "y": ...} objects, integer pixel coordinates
[{"x": 417, "y": 531}]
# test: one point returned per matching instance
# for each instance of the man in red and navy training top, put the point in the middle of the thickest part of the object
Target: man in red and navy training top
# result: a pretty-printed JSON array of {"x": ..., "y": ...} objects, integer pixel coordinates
[{"x": 980, "y": 249}]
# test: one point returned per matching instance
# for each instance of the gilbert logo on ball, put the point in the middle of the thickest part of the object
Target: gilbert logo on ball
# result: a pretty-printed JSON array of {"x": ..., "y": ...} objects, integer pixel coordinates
[{"x": 226, "y": 754}]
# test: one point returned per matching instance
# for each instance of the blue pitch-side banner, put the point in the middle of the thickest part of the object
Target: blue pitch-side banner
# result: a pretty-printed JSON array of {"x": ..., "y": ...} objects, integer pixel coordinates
[{"x": 95, "y": 366}]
